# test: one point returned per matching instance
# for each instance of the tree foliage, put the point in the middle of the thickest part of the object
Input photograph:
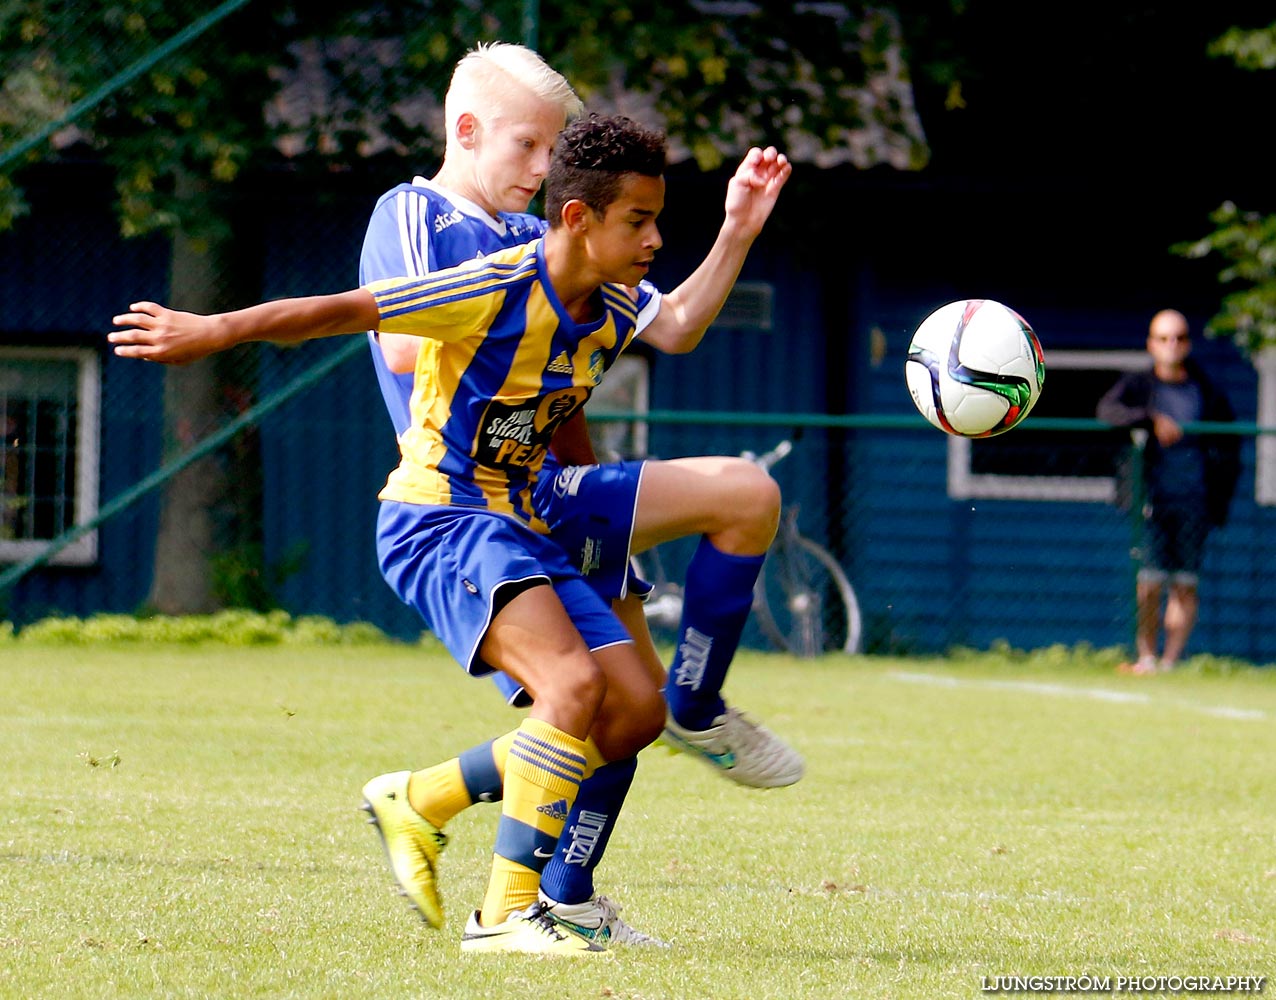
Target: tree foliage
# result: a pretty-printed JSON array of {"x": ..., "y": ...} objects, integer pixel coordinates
[
  {"x": 301, "y": 86},
  {"x": 341, "y": 83},
  {"x": 1246, "y": 240}
]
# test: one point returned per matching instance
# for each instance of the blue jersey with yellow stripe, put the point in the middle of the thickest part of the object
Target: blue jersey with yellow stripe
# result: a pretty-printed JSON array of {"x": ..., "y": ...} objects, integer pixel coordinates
[
  {"x": 502, "y": 365},
  {"x": 418, "y": 228}
]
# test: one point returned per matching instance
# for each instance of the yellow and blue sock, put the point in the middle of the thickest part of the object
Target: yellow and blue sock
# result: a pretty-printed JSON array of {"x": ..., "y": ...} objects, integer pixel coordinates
[{"x": 543, "y": 772}]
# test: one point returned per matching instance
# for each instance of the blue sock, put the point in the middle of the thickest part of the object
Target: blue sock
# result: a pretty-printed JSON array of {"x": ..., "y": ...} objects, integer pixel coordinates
[
  {"x": 478, "y": 771},
  {"x": 569, "y": 875},
  {"x": 719, "y": 594}
]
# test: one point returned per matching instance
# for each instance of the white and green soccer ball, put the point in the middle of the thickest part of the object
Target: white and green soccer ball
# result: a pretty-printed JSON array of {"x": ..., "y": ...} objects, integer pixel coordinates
[{"x": 975, "y": 368}]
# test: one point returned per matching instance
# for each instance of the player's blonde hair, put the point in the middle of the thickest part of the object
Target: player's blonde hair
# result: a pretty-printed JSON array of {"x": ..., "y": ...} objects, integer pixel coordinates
[{"x": 483, "y": 78}]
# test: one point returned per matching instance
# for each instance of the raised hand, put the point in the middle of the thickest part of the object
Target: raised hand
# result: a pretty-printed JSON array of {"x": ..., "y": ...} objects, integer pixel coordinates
[{"x": 754, "y": 188}]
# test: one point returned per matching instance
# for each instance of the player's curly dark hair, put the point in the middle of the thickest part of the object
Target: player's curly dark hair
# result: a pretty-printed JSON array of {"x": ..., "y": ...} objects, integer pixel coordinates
[{"x": 591, "y": 157}]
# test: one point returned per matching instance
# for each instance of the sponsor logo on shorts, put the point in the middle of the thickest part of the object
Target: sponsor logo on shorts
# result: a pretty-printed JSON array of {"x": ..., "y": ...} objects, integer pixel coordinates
[
  {"x": 567, "y": 482},
  {"x": 591, "y": 556}
]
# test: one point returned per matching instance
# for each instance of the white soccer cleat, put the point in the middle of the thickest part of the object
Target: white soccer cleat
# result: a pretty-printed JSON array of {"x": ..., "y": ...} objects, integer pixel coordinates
[
  {"x": 740, "y": 749},
  {"x": 598, "y": 920},
  {"x": 530, "y": 932}
]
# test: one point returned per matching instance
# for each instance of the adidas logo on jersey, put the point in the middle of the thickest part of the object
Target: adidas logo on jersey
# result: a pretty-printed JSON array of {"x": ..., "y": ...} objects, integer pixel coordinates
[
  {"x": 554, "y": 810},
  {"x": 561, "y": 365}
]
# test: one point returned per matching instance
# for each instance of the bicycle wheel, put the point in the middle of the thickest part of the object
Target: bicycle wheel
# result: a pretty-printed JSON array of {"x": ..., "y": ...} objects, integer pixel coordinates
[{"x": 804, "y": 603}]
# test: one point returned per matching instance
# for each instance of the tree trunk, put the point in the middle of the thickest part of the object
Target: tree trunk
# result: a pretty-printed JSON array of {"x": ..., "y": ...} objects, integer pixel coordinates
[{"x": 201, "y": 516}]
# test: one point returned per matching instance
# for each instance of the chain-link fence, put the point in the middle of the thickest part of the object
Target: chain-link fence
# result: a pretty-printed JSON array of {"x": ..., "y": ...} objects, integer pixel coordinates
[
  {"x": 250, "y": 480},
  {"x": 946, "y": 542},
  {"x": 950, "y": 542}
]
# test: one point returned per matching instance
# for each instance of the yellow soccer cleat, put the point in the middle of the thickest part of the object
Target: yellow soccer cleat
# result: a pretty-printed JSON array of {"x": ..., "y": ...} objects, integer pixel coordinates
[
  {"x": 412, "y": 844},
  {"x": 531, "y": 932}
]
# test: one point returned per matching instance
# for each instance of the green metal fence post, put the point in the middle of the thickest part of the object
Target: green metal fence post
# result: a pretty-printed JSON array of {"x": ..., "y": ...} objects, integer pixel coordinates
[
  {"x": 1138, "y": 441},
  {"x": 530, "y": 22}
]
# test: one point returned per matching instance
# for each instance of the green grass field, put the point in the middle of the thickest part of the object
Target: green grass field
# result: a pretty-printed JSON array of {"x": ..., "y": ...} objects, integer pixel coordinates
[{"x": 183, "y": 822}]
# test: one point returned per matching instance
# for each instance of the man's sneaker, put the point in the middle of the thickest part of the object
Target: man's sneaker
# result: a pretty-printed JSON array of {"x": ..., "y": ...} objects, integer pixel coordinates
[
  {"x": 1144, "y": 666},
  {"x": 532, "y": 931},
  {"x": 412, "y": 843},
  {"x": 598, "y": 919},
  {"x": 740, "y": 749}
]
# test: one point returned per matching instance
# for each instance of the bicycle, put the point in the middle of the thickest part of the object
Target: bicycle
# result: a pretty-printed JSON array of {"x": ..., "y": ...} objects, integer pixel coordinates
[{"x": 803, "y": 602}]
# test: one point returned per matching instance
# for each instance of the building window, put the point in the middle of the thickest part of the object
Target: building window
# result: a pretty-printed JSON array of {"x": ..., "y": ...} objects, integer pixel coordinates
[
  {"x": 49, "y": 451},
  {"x": 750, "y": 305},
  {"x": 1028, "y": 464}
]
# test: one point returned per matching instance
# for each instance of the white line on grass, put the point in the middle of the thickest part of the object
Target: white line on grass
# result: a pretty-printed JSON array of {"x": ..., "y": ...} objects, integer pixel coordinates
[{"x": 1064, "y": 690}]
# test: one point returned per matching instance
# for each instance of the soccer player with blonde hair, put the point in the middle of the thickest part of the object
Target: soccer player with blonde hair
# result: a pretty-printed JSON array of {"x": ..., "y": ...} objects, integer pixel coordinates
[
  {"x": 458, "y": 538},
  {"x": 503, "y": 106}
]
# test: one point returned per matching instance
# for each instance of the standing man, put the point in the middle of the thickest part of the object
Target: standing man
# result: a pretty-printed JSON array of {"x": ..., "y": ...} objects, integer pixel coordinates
[{"x": 1188, "y": 482}]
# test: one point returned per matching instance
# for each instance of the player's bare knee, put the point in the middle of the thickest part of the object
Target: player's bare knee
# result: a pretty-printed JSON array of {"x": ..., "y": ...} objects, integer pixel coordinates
[
  {"x": 754, "y": 510},
  {"x": 623, "y": 734},
  {"x": 632, "y": 716},
  {"x": 575, "y": 681}
]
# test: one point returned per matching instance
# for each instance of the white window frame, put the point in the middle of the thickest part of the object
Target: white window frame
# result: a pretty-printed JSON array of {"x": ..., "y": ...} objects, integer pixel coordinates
[
  {"x": 83, "y": 551},
  {"x": 626, "y": 389},
  {"x": 1265, "y": 445},
  {"x": 963, "y": 484}
]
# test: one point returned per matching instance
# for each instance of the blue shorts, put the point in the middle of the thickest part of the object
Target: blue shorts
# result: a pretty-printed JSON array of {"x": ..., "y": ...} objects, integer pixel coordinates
[
  {"x": 1174, "y": 541},
  {"x": 590, "y": 510},
  {"x": 450, "y": 562}
]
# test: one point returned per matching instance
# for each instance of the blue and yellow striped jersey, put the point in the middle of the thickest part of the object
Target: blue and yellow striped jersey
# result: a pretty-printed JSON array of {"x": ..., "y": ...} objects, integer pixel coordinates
[{"x": 501, "y": 367}]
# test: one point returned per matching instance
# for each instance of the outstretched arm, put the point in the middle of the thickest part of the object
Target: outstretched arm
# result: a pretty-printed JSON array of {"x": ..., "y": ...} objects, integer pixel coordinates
[
  {"x": 686, "y": 312},
  {"x": 154, "y": 333}
]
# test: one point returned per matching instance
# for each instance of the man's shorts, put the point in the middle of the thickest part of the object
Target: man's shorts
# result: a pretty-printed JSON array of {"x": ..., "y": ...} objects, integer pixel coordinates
[
  {"x": 590, "y": 510},
  {"x": 1174, "y": 542},
  {"x": 450, "y": 562}
]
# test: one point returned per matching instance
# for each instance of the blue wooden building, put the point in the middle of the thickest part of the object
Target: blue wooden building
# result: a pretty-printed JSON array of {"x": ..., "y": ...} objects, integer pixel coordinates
[{"x": 946, "y": 544}]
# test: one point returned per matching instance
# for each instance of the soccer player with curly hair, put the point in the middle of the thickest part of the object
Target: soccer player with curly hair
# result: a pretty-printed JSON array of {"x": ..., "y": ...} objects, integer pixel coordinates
[{"x": 459, "y": 537}]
